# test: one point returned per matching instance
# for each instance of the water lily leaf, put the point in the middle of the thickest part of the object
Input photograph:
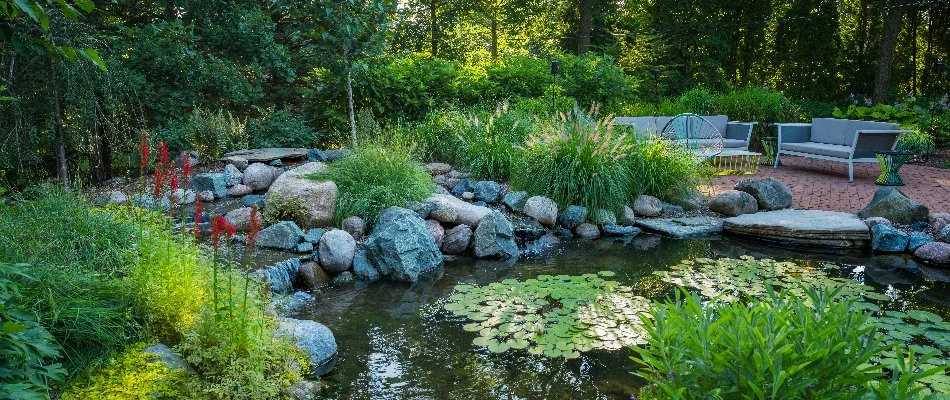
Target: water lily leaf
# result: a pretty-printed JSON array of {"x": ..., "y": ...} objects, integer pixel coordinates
[
  {"x": 924, "y": 316},
  {"x": 481, "y": 341}
]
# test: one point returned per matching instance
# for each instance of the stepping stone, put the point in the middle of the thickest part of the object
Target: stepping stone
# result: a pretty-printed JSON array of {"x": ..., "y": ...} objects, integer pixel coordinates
[
  {"x": 802, "y": 227},
  {"x": 268, "y": 154},
  {"x": 683, "y": 228}
]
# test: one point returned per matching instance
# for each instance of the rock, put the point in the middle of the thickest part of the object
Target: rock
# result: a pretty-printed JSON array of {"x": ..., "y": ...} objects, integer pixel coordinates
[
  {"x": 343, "y": 278},
  {"x": 239, "y": 162},
  {"x": 603, "y": 217},
  {"x": 938, "y": 221},
  {"x": 281, "y": 276},
  {"x": 692, "y": 200},
  {"x": 937, "y": 253},
  {"x": 450, "y": 183},
  {"x": 437, "y": 231},
  {"x": 337, "y": 154},
  {"x": 233, "y": 175},
  {"x": 363, "y": 269},
  {"x": 423, "y": 210},
  {"x": 148, "y": 202},
  {"x": 683, "y": 228},
  {"x": 313, "y": 236},
  {"x": 304, "y": 390},
  {"x": 318, "y": 198},
  {"x": 207, "y": 196},
  {"x": 252, "y": 200},
  {"x": 587, "y": 231},
  {"x": 241, "y": 218},
  {"x": 495, "y": 239},
  {"x": 259, "y": 176},
  {"x": 563, "y": 232},
  {"x": 438, "y": 168},
  {"x": 463, "y": 186},
  {"x": 542, "y": 209},
  {"x": 269, "y": 154},
  {"x": 672, "y": 209},
  {"x": 526, "y": 228},
  {"x": 516, "y": 200},
  {"x": 873, "y": 221},
  {"x": 337, "y": 249},
  {"x": 917, "y": 240},
  {"x": 451, "y": 210},
  {"x": 116, "y": 197},
  {"x": 164, "y": 354},
  {"x": 487, "y": 191},
  {"x": 770, "y": 193},
  {"x": 276, "y": 163},
  {"x": 469, "y": 196},
  {"x": 944, "y": 234},
  {"x": 192, "y": 157},
  {"x": 316, "y": 155},
  {"x": 889, "y": 202},
  {"x": 805, "y": 227},
  {"x": 216, "y": 183},
  {"x": 240, "y": 190},
  {"x": 918, "y": 226},
  {"x": 457, "y": 239},
  {"x": 573, "y": 216},
  {"x": 627, "y": 216},
  {"x": 291, "y": 303},
  {"x": 401, "y": 246},
  {"x": 887, "y": 239},
  {"x": 355, "y": 227},
  {"x": 648, "y": 206},
  {"x": 304, "y": 248},
  {"x": 733, "y": 202},
  {"x": 182, "y": 196},
  {"x": 310, "y": 276},
  {"x": 283, "y": 235},
  {"x": 314, "y": 339},
  {"x": 617, "y": 230}
]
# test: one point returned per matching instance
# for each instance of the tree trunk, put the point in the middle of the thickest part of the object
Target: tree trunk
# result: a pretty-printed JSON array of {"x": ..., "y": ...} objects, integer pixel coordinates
[
  {"x": 585, "y": 26},
  {"x": 432, "y": 28},
  {"x": 885, "y": 55},
  {"x": 61, "y": 168},
  {"x": 913, "y": 36},
  {"x": 349, "y": 98},
  {"x": 494, "y": 37}
]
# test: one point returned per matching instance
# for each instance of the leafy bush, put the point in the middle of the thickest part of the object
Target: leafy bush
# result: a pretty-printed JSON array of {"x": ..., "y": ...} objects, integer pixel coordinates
[
  {"x": 283, "y": 208},
  {"x": 280, "y": 128},
  {"x": 784, "y": 346},
  {"x": 664, "y": 171},
  {"x": 26, "y": 348},
  {"x": 374, "y": 178},
  {"x": 936, "y": 127},
  {"x": 916, "y": 141},
  {"x": 212, "y": 133},
  {"x": 487, "y": 145},
  {"x": 576, "y": 159},
  {"x": 879, "y": 112},
  {"x": 130, "y": 375}
]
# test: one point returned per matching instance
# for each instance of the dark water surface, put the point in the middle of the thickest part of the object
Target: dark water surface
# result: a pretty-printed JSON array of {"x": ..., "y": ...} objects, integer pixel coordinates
[{"x": 396, "y": 342}]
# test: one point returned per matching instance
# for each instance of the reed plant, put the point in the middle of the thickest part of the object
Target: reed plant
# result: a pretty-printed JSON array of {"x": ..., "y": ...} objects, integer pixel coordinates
[{"x": 488, "y": 145}]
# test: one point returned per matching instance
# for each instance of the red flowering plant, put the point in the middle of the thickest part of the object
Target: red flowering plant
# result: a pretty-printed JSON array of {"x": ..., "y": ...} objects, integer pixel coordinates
[
  {"x": 221, "y": 229},
  {"x": 251, "y": 241},
  {"x": 198, "y": 214}
]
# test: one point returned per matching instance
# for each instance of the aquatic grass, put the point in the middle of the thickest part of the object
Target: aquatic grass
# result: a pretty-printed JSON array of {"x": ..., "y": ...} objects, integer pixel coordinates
[
  {"x": 661, "y": 169},
  {"x": 488, "y": 144}
]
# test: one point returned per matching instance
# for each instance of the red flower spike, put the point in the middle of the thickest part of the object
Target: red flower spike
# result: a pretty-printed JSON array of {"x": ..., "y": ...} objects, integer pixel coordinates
[
  {"x": 143, "y": 151},
  {"x": 221, "y": 228},
  {"x": 254, "y": 227},
  {"x": 197, "y": 217},
  {"x": 186, "y": 170}
]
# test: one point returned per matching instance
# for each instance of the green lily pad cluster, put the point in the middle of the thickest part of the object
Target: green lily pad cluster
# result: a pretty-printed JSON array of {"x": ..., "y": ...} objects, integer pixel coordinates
[
  {"x": 922, "y": 331},
  {"x": 554, "y": 316}
]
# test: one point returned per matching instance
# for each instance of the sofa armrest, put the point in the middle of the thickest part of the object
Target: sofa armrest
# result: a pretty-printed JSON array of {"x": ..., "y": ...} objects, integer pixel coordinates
[
  {"x": 793, "y": 133},
  {"x": 866, "y": 142},
  {"x": 739, "y": 130}
]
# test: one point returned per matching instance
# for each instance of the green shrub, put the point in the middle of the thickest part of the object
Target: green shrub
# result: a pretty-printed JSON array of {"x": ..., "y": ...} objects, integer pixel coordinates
[
  {"x": 879, "y": 112},
  {"x": 374, "y": 178},
  {"x": 130, "y": 375},
  {"x": 576, "y": 159},
  {"x": 487, "y": 144},
  {"x": 280, "y": 128},
  {"x": 283, "y": 208},
  {"x": 664, "y": 171},
  {"x": 212, "y": 133},
  {"x": 784, "y": 347},
  {"x": 936, "y": 127},
  {"x": 436, "y": 137},
  {"x": 697, "y": 101},
  {"x": 917, "y": 141},
  {"x": 27, "y": 350}
]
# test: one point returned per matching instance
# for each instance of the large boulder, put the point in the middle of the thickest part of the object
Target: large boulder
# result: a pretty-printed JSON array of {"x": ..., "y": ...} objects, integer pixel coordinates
[
  {"x": 317, "y": 198},
  {"x": 310, "y": 276},
  {"x": 239, "y": 190},
  {"x": 541, "y": 208},
  {"x": 516, "y": 200},
  {"x": 648, "y": 206},
  {"x": 917, "y": 240},
  {"x": 887, "y": 239},
  {"x": 363, "y": 269},
  {"x": 573, "y": 216},
  {"x": 283, "y": 235},
  {"x": 355, "y": 226},
  {"x": 437, "y": 231},
  {"x": 438, "y": 168},
  {"x": 401, "y": 246},
  {"x": 587, "y": 231},
  {"x": 314, "y": 339},
  {"x": 943, "y": 235},
  {"x": 337, "y": 249},
  {"x": 494, "y": 238},
  {"x": 279, "y": 277},
  {"x": 451, "y": 210},
  {"x": 259, "y": 176},
  {"x": 163, "y": 354},
  {"x": 733, "y": 202},
  {"x": 937, "y": 253},
  {"x": 627, "y": 216},
  {"x": 770, "y": 193},
  {"x": 487, "y": 191},
  {"x": 802, "y": 227},
  {"x": 457, "y": 239},
  {"x": 891, "y": 203},
  {"x": 604, "y": 217},
  {"x": 233, "y": 175},
  {"x": 241, "y": 218},
  {"x": 938, "y": 221},
  {"x": 215, "y": 182}
]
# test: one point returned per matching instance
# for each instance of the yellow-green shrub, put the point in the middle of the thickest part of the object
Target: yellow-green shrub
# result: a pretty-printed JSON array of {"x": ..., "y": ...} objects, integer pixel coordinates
[{"x": 129, "y": 375}]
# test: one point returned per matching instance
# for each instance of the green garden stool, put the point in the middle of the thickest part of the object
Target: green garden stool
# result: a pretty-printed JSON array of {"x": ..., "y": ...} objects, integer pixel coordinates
[{"x": 891, "y": 163}]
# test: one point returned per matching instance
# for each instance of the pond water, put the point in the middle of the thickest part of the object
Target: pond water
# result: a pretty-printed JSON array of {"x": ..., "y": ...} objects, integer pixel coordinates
[{"x": 396, "y": 341}]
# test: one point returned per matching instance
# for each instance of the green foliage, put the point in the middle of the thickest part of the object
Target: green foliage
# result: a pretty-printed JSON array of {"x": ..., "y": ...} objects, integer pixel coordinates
[
  {"x": 577, "y": 159},
  {"x": 283, "y": 208},
  {"x": 936, "y": 127},
  {"x": 665, "y": 171},
  {"x": 488, "y": 145},
  {"x": 129, "y": 375},
  {"x": 26, "y": 348},
  {"x": 374, "y": 178},
  {"x": 916, "y": 141},
  {"x": 211, "y": 133},
  {"x": 280, "y": 128},
  {"x": 781, "y": 347},
  {"x": 758, "y": 104},
  {"x": 879, "y": 112},
  {"x": 557, "y": 316}
]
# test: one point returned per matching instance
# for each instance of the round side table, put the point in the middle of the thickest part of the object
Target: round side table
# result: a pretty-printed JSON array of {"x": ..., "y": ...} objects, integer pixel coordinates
[{"x": 891, "y": 163}]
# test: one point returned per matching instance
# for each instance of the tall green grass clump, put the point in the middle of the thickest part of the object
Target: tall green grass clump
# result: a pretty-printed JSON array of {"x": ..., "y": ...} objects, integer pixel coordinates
[
  {"x": 488, "y": 145},
  {"x": 577, "y": 158},
  {"x": 376, "y": 177},
  {"x": 664, "y": 170}
]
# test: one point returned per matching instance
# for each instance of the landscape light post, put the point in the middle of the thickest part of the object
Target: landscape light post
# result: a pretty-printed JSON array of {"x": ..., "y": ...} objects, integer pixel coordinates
[{"x": 554, "y": 71}]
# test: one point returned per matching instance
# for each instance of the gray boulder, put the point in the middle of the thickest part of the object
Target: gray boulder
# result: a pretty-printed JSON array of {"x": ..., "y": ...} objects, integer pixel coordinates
[
  {"x": 314, "y": 235},
  {"x": 457, "y": 239},
  {"x": 627, "y": 216},
  {"x": 692, "y": 200},
  {"x": 770, "y": 193},
  {"x": 239, "y": 162},
  {"x": 938, "y": 221},
  {"x": 337, "y": 249},
  {"x": 891, "y": 203},
  {"x": 310, "y": 276},
  {"x": 182, "y": 196},
  {"x": 207, "y": 196},
  {"x": 873, "y": 221},
  {"x": 917, "y": 240},
  {"x": 355, "y": 227},
  {"x": 672, "y": 209},
  {"x": 281, "y": 276},
  {"x": 494, "y": 238},
  {"x": 587, "y": 231},
  {"x": 214, "y": 182},
  {"x": 438, "y": 168},
  {"x": 604, "y": 217},
  {"x": 259, "y": 176},
  {"x": 469, "y": 196},
  {"x": 943, "y": 235},
  {"x": 542, "y": 209},
  {"x": 573, "y": 216},
  {"x": 317, "y": 198},
  {"x": 401, "y": 246},
  {"x": 343, "y": 278},
  {"x": 336, "y": 154},
  {"x": 464, "y": 185},
  {"x": 164, "y": 354},
  {"x": 617, "y": 230},
  {"x": 233, "y": 175},
  {"x": 648, "y": 206},
  {"x": 252, "y": 200},
  {"x": 239, "y": 190},
  {"x": 516, "y": 200},
  {"x": 451, "y": 210},
  {"x": 733, "y": 202},
  {"x": 283, "y": 235},
  {"x": 887, "y": 239},
  {"x": 241, "y": 218},
  {"x": 437, "y": 231},
  {"x": 937, "y": 253},
  {"x": 487, "y": 191},
  {"x": 304, "y": 247},
  {"x": 363, "y": 269},
  {"x": 115, "y": 197},
  {"x": 314, "y": 339}
]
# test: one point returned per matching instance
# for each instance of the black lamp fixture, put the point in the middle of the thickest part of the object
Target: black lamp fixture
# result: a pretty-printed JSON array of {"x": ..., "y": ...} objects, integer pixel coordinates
[
  {"x": 554, "y": 66},
  {"x": 656, "y": 74},
  {"x": 939, "y": 67}
]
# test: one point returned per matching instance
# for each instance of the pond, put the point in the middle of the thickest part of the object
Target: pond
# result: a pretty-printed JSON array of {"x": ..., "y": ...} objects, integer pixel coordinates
[{"x": 397, "y": 342}]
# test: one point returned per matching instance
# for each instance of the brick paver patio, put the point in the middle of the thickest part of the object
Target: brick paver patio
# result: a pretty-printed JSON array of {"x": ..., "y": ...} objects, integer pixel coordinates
[{"x": 823, "y": 185}]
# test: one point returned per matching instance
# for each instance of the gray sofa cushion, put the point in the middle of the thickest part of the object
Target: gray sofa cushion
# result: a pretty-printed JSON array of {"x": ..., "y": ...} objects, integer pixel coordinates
[
  {"x": 832, "y": 131},
  {"x": 824, "y": 149},
  {"x": 720, "y": 122},
  {"x": 855, "y": 126}
]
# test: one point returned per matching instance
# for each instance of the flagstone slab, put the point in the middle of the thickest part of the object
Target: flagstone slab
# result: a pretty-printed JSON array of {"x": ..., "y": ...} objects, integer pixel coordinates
[
  {"x": 266, "y": 155},
  {"x": 803, "y": 227},
  {"x": 682, "y": 228}
]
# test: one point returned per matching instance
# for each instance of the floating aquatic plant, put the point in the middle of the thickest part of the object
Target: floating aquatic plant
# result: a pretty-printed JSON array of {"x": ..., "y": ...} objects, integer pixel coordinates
[{"x": 554, "y": 316}]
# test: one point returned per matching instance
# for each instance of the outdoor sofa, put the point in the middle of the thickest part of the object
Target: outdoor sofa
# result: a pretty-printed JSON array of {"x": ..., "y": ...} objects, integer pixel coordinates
[
  {"x": 735, "y": 135},
  {"x": 841, "y": 140}
]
